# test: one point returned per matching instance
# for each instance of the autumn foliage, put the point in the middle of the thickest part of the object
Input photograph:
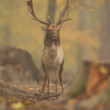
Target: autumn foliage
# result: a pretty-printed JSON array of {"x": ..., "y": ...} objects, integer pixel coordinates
[{"x": 98, "y": 78}]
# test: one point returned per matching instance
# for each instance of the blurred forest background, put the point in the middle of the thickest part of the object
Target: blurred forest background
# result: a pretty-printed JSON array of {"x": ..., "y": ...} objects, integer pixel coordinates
[
  {"x": 86, "y": 44},
  {"x": 80, "y": 37}
]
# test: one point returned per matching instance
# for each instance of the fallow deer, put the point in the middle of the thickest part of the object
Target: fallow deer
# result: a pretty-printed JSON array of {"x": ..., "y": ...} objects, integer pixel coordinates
[{"x": 52, "y": 53}]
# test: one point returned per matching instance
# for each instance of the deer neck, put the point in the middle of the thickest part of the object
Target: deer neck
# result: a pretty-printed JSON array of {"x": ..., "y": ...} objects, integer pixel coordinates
[{"x": 48, "y": 41}]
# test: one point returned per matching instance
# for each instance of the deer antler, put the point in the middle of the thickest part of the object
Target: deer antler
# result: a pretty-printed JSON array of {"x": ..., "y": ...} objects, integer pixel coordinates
[
  {"x": 61, "y": 20},
  {"x": 31, "y": 10}
]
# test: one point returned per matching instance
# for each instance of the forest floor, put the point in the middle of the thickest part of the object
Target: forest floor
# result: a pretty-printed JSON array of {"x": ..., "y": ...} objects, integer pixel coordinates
[{"x": 27, "y": 97}]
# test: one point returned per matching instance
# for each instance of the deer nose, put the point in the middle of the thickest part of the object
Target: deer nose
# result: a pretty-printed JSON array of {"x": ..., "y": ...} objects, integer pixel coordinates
[{"x": 55, "y": 37}]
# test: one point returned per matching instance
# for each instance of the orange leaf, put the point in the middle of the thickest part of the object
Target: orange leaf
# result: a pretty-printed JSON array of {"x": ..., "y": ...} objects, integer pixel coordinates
[
  {"x": 30, "y": 88},
  {"x": 103, "y": 70}
]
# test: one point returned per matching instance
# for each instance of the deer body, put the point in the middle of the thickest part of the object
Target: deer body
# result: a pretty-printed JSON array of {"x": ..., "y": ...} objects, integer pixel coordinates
[
  {"x": 52, "y": 56},
  {"x": 52, "y": 53}
]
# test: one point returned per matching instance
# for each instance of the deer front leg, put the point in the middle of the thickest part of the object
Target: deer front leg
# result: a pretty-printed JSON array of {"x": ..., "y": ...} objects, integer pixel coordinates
[
  {"x": 61, "y": 82},
  {"x": 56, "y": 81},
  {"x": 48, "y": 77},
  {"x": 43, "y": 88}
]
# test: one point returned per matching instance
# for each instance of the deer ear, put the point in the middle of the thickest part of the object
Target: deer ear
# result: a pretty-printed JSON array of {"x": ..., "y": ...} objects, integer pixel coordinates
[{"x": 44, "y": 28}]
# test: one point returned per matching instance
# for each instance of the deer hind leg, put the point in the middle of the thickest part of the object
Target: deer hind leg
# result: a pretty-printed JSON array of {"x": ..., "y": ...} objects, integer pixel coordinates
[
  {"x": 48, "y": 78},
  {"x": 60, "y": 76},
  {"x": 61, "y": 82},
  {"x": 56, "y": 81}
]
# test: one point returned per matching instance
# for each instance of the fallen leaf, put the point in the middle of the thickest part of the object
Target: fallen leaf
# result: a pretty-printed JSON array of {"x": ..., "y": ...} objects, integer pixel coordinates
[
  {"x": 30, "y": 88},
  {"x": 70, "y": 101},
  {"x": 13, "y": 99},
  {"x": 18, "y": 106},
  {"x": 1, "y": 99},
  {"x": 27, "y": 102},
  {"x": 103, "y": 70}
]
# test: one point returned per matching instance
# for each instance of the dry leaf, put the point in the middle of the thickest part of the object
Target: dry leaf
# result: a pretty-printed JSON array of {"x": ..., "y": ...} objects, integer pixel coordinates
[
  {"x": 30, "y": 88},
  {"x": 18, "y": 106},
  {"x": 13, "y": 99},
  {"x": 103, "y": 70},
  {"x": 70, "y": 101}
]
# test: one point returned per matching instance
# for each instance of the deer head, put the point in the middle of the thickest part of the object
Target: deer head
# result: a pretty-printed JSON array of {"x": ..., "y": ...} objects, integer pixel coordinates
[{"x": 51, "y": 29}]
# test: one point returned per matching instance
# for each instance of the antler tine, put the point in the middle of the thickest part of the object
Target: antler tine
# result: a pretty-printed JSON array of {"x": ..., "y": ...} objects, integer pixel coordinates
[
  {"x": 62, "y": 21},
  {"x": 49, "y": 20},
  {"x": 31, "y": 10}
]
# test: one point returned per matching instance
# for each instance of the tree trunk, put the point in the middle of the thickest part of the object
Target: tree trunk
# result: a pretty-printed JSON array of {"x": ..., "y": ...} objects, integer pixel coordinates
[
  {"x": 80, "y": 84},
  {"x": 104, "y": 53},
  {"x": 82, "y": 26},
  {"x": 98, "y": 78},
  {"x": 51, "y": 10}
]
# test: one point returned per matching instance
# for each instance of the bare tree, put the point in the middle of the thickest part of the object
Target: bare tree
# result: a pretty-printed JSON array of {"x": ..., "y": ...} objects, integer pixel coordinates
[
  {"x": 52, "y": 10},
  {"x": 82, "y": 25},
  {"x": 104, "y": 53}
]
